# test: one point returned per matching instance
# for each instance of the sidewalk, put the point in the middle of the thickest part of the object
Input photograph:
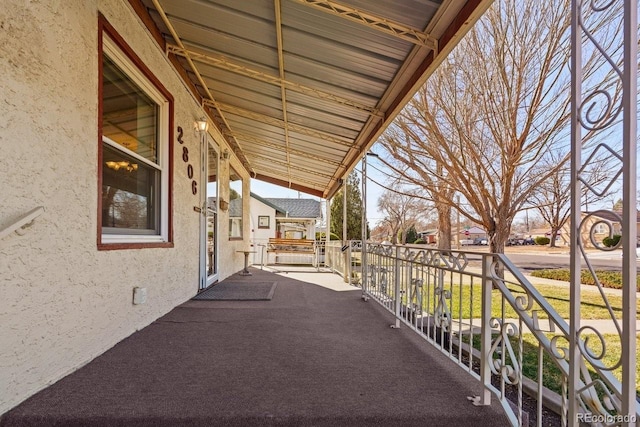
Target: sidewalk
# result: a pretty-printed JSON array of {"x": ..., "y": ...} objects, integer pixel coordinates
[{"x": 603, "y": 326}]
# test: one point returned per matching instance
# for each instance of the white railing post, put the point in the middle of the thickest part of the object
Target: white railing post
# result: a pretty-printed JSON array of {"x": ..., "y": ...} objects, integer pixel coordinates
[
  {"x": 348, "y": 264},
  {"x": 397, "y": 273},
  {"x": 485, "y": 332}
]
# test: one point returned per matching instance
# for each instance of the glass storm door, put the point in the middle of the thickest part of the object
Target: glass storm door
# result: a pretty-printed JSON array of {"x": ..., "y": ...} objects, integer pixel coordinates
[{"x": 209, "y": 239}]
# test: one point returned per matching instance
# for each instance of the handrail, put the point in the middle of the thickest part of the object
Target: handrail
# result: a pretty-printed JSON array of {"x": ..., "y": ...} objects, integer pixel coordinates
[
  {"x": 432, "y": 291},
  {"x": 22, "y": 223}
]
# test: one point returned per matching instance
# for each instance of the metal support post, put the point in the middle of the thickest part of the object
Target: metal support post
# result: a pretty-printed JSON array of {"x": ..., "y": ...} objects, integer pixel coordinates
[
  {"x": 347, "y": 253},
  {"x": 363, "y": 261},
  {"x": 397, "y": 272},
  {"x": 574, "y": 260},
  {"x": 629, "y": 214},
  {"x": 485, "y": 333}
]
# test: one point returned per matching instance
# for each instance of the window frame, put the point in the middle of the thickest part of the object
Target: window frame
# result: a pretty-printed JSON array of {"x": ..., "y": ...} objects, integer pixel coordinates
[
  {"x": 111, "y": 44},
  {"x": 264, "y": 221}
]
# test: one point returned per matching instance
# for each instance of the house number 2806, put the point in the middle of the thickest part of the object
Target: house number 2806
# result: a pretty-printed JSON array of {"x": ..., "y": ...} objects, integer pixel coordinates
[{"x": 185, "y": 158}]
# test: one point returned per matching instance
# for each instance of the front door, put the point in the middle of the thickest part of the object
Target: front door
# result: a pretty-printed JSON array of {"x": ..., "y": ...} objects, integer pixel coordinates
[{"x": 209, "y": 223}]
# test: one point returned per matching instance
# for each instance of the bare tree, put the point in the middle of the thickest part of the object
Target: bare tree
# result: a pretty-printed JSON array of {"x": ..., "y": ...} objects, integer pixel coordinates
[
  {"x": 492, "y": 112},
  {"x": 402, "y": 210},
  {"x": 552, "y": 198},
  {"x": 414, "y": 170}
]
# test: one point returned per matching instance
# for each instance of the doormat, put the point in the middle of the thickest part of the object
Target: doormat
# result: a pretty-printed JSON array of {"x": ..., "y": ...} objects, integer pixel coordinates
[{"x": 239, "y": 291}]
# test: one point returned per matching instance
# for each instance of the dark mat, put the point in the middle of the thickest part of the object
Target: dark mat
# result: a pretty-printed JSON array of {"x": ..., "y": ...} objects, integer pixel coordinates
[{"x": 239, "y": 291}]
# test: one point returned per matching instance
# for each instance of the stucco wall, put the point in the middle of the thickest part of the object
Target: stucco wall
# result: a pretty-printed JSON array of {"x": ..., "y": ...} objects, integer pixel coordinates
[
  {"x": 260, "y": 236},
  {"x": 63, "y": 301}
]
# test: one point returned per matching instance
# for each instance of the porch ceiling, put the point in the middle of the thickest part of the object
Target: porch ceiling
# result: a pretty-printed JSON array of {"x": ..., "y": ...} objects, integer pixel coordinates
[{"x": 301, "y": 88}]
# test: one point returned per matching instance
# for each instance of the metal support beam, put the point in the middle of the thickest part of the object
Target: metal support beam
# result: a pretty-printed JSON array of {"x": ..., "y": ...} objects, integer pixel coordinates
[
  {"x": 280, "y": 123},
  {"x": 287, "y": 164},
  {"x": 378, "y": 23},
  {"x": 275, "y": 173},
  {"x": 283, "y": 91},
  {"x": 208, "y": 98},
  {"x": 224, "y": 64},
  {"x": 253, "y": 140}
]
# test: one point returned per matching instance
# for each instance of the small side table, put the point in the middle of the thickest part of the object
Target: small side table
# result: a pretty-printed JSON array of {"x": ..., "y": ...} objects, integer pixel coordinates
[{"x": 245, "y": 271}]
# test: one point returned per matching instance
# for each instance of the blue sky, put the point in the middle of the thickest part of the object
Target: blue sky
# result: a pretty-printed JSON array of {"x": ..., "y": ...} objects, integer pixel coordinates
[{"x": 264, "y": 189}]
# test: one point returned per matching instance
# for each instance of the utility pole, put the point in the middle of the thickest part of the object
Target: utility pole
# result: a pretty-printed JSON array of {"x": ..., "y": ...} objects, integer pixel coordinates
[{"x": 458, "y": 221}]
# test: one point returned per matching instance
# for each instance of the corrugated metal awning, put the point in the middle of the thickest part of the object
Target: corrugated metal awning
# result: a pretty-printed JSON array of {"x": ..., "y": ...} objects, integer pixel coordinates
[{"x": 302, "y": 88}]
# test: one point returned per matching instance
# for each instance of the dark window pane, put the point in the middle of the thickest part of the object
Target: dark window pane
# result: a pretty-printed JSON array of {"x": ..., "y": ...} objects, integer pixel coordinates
[{"x": 130, "y": 194}]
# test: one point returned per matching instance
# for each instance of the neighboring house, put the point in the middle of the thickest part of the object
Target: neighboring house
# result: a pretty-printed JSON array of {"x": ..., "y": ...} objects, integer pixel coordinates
[
  {"x": 562, "y": 237},
  {"x": 472, "y": 233},
  {"x": 429, "y": 236},
  {"x": 281, "y": 218},
  {"x": 598, "y": 224}
]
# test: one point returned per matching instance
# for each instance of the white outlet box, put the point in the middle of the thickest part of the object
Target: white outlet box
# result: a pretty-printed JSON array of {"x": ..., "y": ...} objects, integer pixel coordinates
[{"x": 139, "y": 295}]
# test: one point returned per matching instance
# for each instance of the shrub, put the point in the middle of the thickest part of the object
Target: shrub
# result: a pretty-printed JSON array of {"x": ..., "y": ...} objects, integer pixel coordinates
[
  {"x": 321, "y": 236},
  {"x": 542, "y": 240},
  {"x": 420, "y": 241},
  {"x": 608, "y": 279},
  {"x": 611, "y": 241}
]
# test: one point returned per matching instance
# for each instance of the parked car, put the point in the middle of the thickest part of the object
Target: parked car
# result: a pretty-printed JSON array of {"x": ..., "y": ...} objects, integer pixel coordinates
[
  {"x": 466, "y": 242},
  {"x": 528, "y": 241},
  {"x": 482, "y": 241},
  {"x": 513, "y": 241}
]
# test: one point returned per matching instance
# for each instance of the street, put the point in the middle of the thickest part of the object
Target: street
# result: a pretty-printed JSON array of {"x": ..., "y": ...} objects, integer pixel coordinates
[
  {"x": 538, "y": 261},
  {"x": 529, "y": 258}
]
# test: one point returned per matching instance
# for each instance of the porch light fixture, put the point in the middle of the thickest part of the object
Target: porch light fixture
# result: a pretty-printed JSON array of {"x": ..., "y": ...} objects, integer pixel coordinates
[
  {"x": 225, "y": 155},
  {"x": 202, "y": 125}
]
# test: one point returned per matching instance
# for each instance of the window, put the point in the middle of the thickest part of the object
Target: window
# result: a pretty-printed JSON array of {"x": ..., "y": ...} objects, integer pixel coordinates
[
  {"x": 263, "y": 221},
  {"x": 135, "y": 148},
  {"x": 235, "y": 205}
]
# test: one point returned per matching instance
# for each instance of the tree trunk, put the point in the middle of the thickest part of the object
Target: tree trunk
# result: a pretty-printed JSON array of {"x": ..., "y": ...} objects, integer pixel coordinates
[
  {"x": 498, "y": 236},
  {"x": 554, "y": 235},
  {"x": 394, "y": 236},
  {"x": 444, "y": 226}
]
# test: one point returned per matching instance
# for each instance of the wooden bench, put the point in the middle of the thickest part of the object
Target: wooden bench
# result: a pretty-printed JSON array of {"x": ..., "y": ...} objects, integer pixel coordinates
[{"x": 291, "y": 247}]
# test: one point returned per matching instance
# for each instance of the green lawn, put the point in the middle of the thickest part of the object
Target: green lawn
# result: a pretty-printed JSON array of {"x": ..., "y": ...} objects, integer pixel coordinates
[
  {"x": 608, "y": 279},
  {"x": 469, "y": 296},
  {"x": 552, "y": 376}
]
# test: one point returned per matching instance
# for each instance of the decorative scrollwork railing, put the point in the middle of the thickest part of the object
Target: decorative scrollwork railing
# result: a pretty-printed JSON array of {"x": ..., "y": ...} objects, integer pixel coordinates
[{"x": 482, "y": 312}]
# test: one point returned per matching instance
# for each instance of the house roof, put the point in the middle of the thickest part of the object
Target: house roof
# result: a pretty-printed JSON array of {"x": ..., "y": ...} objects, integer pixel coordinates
[
  {"x": 474, "y": 230},
  {"x": 298, "y": 208},
  {"x": 235, "y": 208},
  {"x": 292, "y": 208},
  {"x": 268, "y": 203},
  {"x": 301, "y": 89}
]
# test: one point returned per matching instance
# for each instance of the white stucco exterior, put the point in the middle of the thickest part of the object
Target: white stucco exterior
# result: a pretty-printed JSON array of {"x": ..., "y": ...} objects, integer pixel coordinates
[
  {"x": 64, "y": 301},
  {"x": 260, "y": 236}
]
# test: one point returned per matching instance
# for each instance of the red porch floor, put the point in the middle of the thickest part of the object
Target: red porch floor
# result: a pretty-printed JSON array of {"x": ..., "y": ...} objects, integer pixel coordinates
[{"x": 309, "y": 357}]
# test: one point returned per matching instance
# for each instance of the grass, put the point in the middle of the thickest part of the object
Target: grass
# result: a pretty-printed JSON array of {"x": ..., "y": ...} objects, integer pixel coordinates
[
  {"x": 465, "y": 303},
  {"x": 608, "y": 279},
  {"x": 551, "y": 374},
  {"x": 469, "y": 296}
]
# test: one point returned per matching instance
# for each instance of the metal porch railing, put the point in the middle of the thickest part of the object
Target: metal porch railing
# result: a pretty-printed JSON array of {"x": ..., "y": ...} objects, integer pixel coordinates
[{"x": 482, "y": 312}]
